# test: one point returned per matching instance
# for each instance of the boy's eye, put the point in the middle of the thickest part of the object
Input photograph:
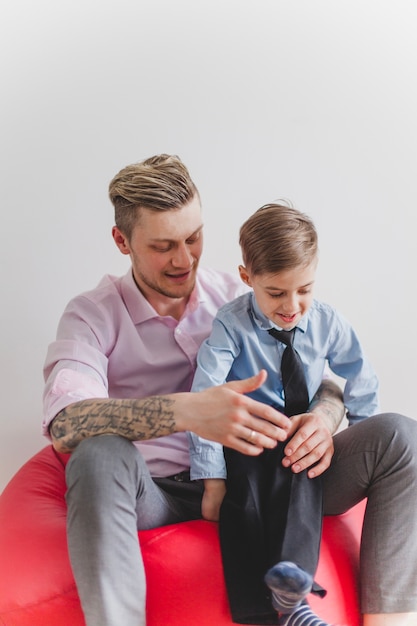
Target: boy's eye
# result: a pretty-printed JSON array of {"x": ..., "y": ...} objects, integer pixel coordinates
[{"x": 301, "y": 292}]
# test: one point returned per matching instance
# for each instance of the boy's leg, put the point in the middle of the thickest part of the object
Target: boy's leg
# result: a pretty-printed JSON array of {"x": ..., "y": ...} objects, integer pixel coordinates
[
  {"x": 110, "y": 495},
  {"x": 268, "y": 515},
  {"x": 377, "y": 459}
]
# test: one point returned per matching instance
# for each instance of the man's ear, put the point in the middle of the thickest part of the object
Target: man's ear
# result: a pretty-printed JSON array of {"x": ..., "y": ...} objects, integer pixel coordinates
[
  {"x": 120, "y": 240},
  {"x": 244, "y": 275}
]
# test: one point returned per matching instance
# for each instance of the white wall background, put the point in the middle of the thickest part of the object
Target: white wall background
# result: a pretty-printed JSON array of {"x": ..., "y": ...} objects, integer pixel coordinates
[{"x": 314, "y": 101}]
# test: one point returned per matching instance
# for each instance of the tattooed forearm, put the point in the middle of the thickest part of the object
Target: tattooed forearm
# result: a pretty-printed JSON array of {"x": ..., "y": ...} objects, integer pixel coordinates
[
  {"x": 329, "y": 401},
  {"x": 133, "y": 419}
]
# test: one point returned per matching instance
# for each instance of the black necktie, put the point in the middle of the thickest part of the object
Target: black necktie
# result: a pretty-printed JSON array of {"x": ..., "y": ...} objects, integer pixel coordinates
[{"x": 293, "y": 378}]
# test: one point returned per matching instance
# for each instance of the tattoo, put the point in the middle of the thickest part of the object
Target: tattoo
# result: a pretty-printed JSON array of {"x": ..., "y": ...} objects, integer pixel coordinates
[
  {"x": 329, "y": 399},
  {"x": 136, "y": 420}
]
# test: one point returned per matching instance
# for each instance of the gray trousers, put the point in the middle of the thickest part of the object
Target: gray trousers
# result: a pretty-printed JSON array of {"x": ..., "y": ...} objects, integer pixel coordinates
[{"x": 111, "y": 495}]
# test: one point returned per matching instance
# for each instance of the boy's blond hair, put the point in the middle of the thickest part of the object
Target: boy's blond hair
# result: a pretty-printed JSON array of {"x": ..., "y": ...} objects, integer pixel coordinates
[{"x": 276, "y": 238}]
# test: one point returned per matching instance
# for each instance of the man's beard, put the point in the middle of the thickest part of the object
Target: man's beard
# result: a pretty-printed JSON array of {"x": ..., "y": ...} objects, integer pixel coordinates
[{"x": 174, "y": 292}]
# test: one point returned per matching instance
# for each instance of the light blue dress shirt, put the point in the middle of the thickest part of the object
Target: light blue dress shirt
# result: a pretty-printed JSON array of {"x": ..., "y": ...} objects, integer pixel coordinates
[{"x": 240, "y": 345}]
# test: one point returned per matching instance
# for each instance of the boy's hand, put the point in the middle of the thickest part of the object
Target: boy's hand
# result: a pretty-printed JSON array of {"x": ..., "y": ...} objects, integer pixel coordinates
[{"x": 310, "y": 444}]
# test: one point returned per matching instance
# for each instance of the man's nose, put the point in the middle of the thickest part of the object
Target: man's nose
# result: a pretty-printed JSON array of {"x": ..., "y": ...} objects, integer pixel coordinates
[{"x": 182, "y": 256}]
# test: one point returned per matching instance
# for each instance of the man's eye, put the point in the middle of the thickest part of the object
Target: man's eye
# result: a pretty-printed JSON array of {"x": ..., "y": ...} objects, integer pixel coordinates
[{"x": 161, "y": 249}]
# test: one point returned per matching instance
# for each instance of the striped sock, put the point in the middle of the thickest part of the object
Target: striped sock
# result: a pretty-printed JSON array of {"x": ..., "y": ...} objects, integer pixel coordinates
[
  {"x": 302, "y": 616},
  {"x": 289, "y": 585}
]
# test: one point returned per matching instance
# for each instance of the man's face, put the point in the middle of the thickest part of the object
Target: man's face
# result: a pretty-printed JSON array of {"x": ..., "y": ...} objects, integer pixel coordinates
[
  {"x": 285, "y": 297},
  {"x": 165, "y": 250}
]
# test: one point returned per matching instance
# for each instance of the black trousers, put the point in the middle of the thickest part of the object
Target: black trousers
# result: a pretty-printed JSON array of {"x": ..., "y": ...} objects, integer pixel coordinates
[{"x": 269, "y": 514}]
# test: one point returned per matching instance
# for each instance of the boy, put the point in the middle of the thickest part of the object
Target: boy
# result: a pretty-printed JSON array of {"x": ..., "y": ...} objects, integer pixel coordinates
[{"x": 270, "y": 517}]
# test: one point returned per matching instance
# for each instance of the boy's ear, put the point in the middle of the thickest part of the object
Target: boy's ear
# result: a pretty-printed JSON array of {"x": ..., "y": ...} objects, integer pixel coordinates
[{"x": 244, "y": 275}]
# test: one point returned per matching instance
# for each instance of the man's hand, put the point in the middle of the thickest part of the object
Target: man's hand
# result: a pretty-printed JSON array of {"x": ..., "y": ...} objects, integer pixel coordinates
[{"x": 226, "y": 415}]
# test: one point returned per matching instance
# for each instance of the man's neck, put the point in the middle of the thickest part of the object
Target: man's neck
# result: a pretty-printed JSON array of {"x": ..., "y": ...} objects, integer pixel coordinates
[
  {"x": 168, "y": 307},
  {"x": 164, "y": 305}
]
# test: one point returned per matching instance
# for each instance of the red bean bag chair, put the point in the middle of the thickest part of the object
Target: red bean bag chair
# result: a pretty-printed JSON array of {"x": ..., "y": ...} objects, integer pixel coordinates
[{"x": 37, "y": 586}]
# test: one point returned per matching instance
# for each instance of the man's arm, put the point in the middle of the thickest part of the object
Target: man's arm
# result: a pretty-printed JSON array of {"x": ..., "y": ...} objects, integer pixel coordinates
[
  {"x": 133, "y": 419},
  {"x": 224, "y": 414},
  {"x": 328, "y": 402},
  {"x": 311, "y": 436}
]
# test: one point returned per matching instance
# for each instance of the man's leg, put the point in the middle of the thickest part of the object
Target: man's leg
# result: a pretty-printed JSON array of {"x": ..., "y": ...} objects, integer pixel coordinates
[
  {"x": 377, "y": 459},
  {"x": 110, "y": 495}
]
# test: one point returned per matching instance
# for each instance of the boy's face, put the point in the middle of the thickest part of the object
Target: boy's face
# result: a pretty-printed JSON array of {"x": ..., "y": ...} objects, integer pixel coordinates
[{"x": 285, "y": 297}]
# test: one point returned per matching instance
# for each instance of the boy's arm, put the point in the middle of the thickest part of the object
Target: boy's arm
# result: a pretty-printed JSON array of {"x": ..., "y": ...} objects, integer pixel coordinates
[
  {"x": 348, "y": 360},
  {"x": 215, "y": 359}
]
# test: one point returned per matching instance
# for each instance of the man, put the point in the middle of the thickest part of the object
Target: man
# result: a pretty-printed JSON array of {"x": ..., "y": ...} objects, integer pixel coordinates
[{"x": 120, "y": 371}]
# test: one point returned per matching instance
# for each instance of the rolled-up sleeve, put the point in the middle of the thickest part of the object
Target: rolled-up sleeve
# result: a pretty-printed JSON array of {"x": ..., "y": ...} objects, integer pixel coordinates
[
  {"x": 206, "y": 458},
  {"x": 65, "y": 388},
  {"x": 76, "y": 364}
]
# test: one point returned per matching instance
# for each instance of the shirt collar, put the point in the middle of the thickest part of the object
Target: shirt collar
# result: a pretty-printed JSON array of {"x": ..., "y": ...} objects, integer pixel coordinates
[
  {"x": 264, "y": 323},
  {"x": 138, "y": 306}
]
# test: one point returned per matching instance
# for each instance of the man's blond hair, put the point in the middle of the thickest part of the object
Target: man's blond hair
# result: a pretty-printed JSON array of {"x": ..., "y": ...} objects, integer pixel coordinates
[{"x": 160, "y": 183}]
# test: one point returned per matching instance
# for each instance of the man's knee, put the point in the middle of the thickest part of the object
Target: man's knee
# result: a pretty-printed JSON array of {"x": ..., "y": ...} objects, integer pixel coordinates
[
  {"x": 397, "y": 433},
  {"x": 395, "y": 423},
  {"x": 102, "y": 455}
]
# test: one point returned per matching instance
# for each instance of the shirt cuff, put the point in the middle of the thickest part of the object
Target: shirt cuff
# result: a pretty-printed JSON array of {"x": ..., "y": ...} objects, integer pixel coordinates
[{"x": 206, "y": 459}]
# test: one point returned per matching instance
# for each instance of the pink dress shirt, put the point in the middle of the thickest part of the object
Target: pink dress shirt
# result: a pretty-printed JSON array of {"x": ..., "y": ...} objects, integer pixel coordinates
[{"x": 112, "y": 343}]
